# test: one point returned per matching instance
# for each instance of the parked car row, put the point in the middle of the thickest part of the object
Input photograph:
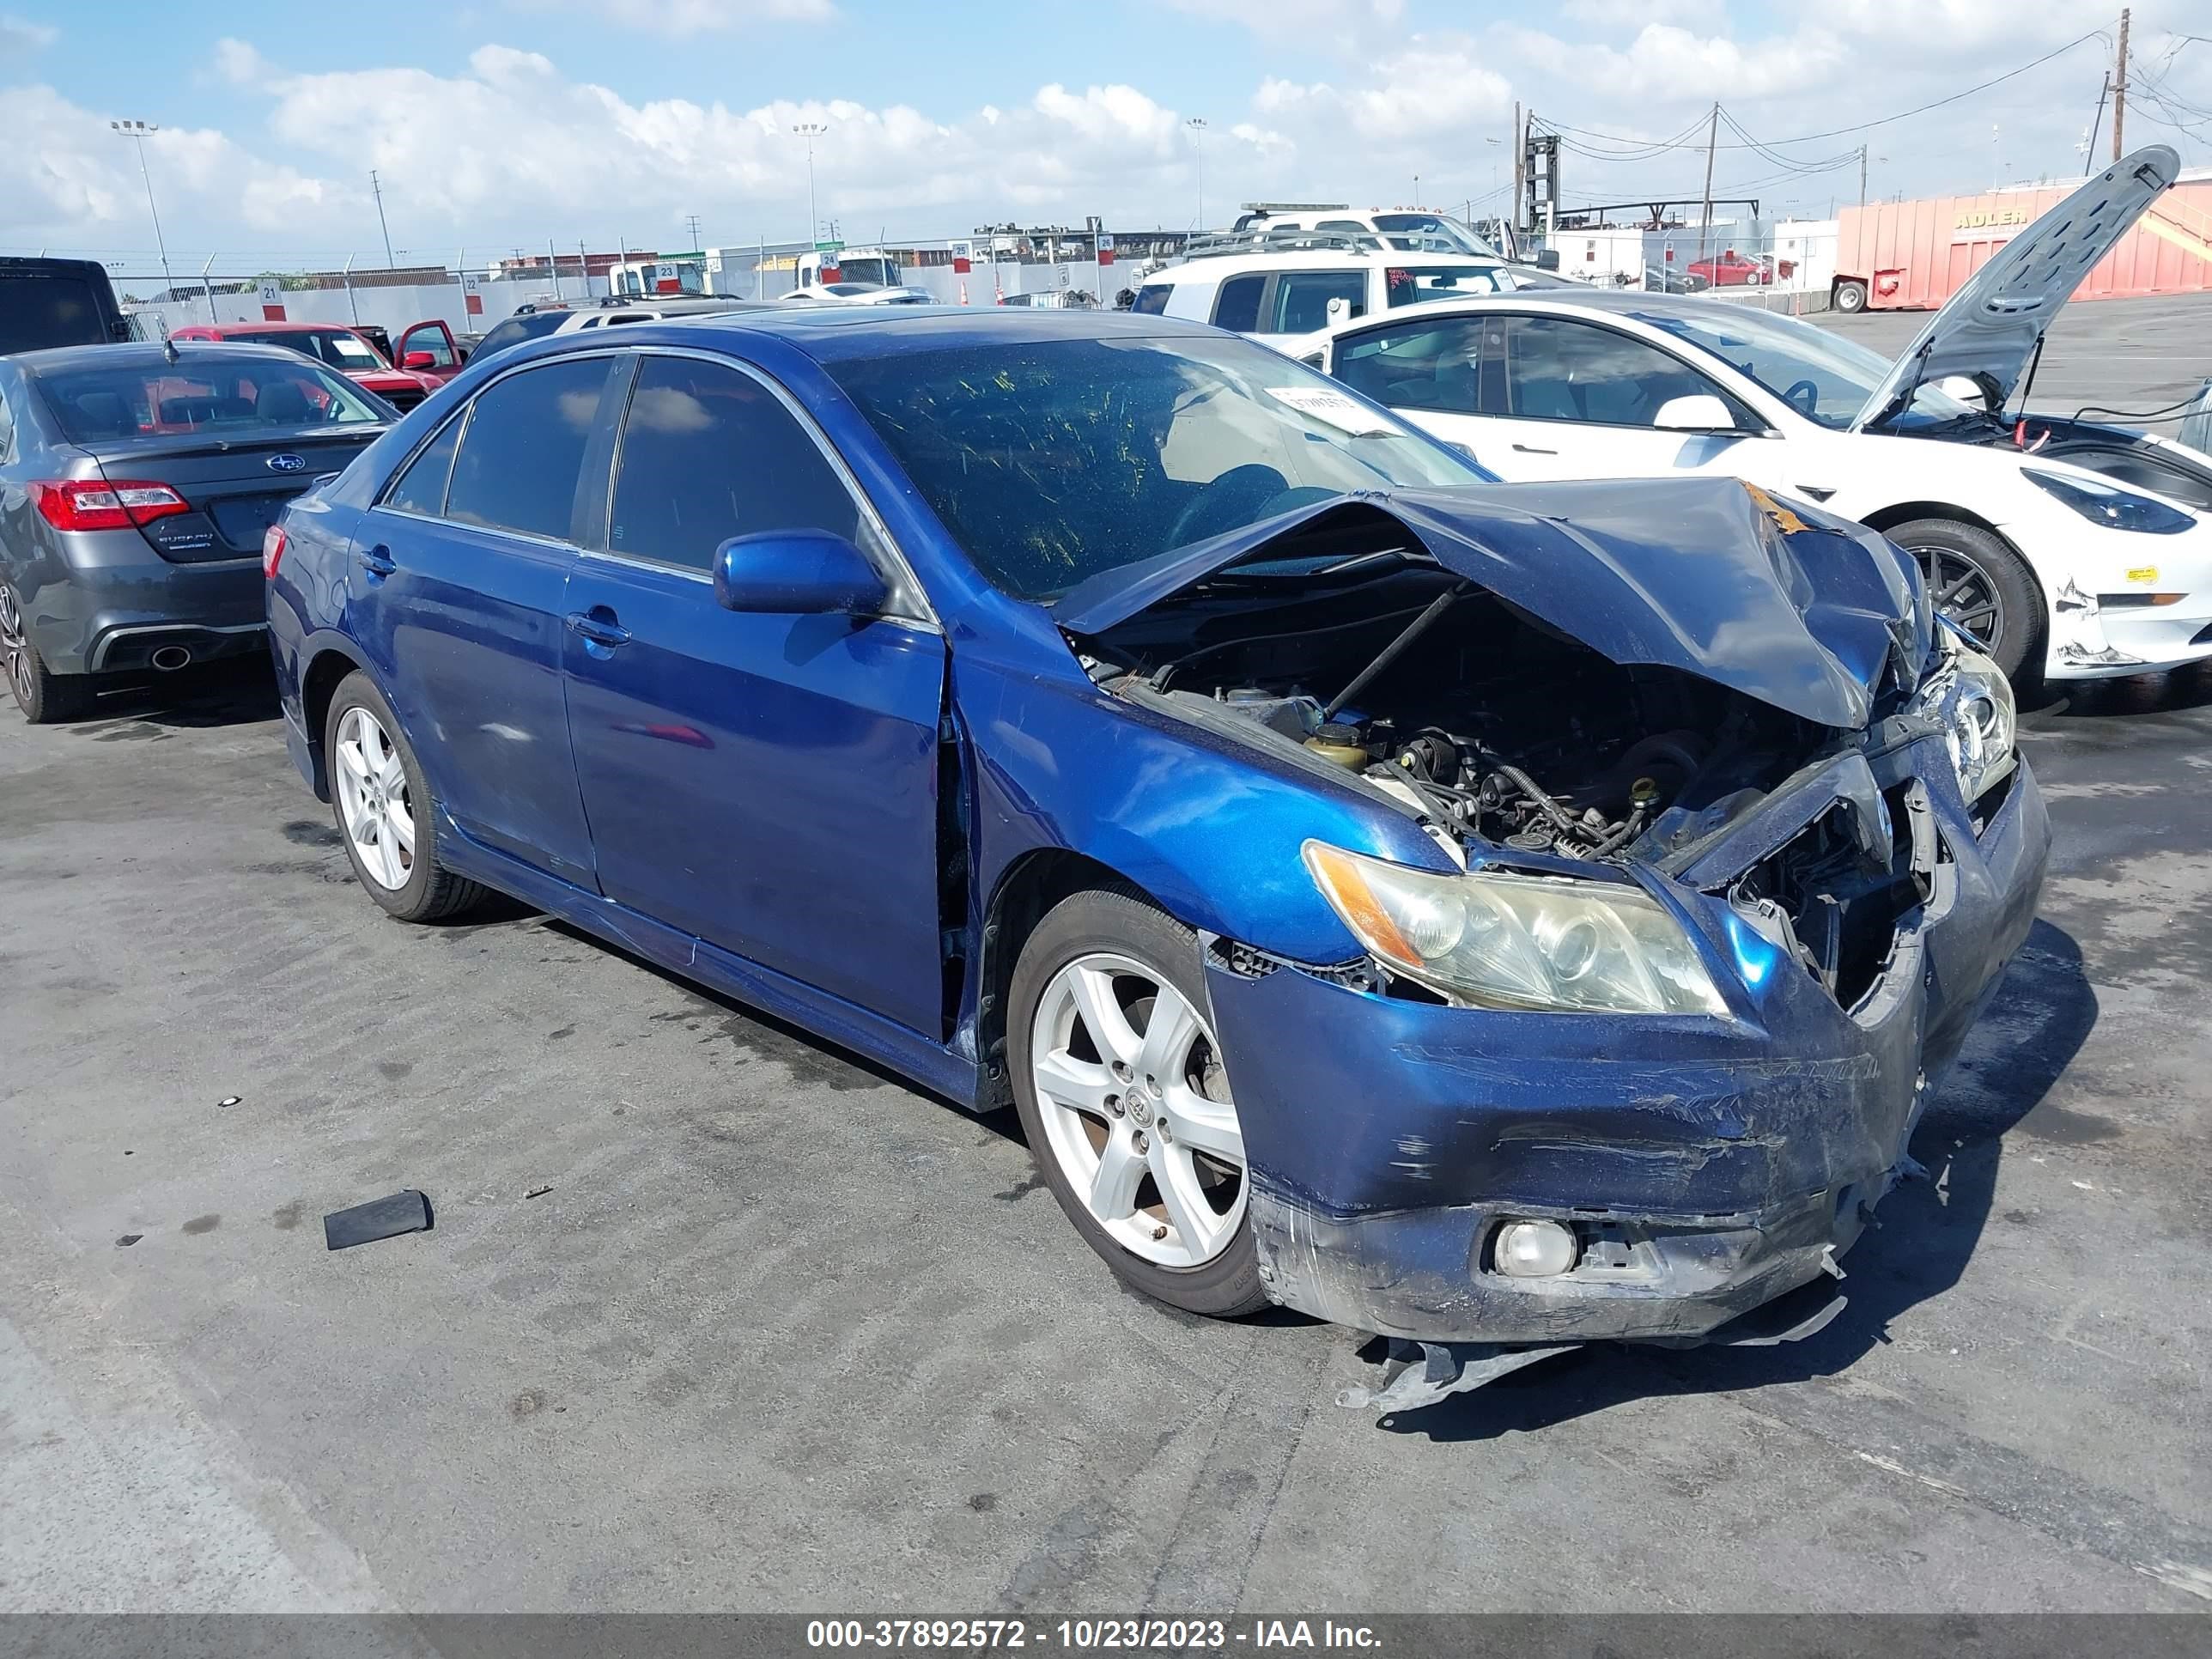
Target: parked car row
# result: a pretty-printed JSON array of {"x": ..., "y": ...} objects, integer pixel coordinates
[{"x": 1381, "y": 890}]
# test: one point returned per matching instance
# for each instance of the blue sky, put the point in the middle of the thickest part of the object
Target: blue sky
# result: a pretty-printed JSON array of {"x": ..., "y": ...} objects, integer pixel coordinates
[{"x": 506, "y": 122}]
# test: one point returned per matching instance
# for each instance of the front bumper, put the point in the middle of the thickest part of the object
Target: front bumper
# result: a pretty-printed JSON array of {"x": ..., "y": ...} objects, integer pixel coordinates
[{"x": 1708, "y": 1165}]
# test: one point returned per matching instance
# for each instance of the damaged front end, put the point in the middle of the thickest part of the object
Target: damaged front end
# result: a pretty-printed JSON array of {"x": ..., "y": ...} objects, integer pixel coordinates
[{"x": 1730, "y": 851}]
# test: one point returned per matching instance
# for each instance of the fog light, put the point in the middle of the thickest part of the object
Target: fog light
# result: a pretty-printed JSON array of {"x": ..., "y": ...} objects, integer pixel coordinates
[{"x": 1534, "y": 1250}]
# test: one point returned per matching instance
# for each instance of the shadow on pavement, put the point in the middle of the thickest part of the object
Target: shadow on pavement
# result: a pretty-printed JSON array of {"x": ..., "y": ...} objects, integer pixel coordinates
[
  {"x": 1926, "y": 1233},
  {"x": 241, "y": 693}
]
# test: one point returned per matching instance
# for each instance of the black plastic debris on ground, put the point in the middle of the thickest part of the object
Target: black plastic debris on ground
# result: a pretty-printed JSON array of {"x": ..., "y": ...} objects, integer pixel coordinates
[
  {"x": 407, "y": 1211},
  {"x": 127, "y": 1240}
]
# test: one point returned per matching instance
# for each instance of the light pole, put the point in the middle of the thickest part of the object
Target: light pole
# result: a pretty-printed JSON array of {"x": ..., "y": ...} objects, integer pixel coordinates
[
  {"x": 1197, "y": 125},
  {"x": 810, "y": 131},
  {"x": 376, "y": 189},
  {"x": 139, "y": 130}
]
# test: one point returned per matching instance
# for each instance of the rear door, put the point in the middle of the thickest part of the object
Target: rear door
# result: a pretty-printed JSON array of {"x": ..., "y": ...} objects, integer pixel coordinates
[
  {"x": 459, "y": 589},
  {"x": 431, "y": 345},
  {"x": 767, "y": 783},
  {"x": 1539, "y": 396}
]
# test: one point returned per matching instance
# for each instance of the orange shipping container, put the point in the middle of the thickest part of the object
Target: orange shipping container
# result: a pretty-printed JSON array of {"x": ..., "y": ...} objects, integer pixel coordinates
[{"x": 1908, "y": 256}]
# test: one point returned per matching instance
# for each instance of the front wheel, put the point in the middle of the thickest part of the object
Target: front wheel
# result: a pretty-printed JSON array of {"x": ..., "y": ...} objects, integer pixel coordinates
[
  {"x": 43, "y": 696},
  {"x": 1126, "y": 1101},
  {"x": 1975, "y": 579},
  {"x": 385, "y": 809}
]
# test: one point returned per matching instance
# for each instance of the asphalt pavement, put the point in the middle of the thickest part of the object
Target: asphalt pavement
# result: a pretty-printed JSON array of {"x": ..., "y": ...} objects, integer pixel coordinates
[{"x": 781, "y": 1332}]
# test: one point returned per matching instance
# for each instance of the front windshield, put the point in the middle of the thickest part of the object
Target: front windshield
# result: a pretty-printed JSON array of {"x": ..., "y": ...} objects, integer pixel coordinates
[
  {"x": 1054, "y": 460},
  {"x": 1432, "y": 233},
  {"x": 1820, "y": 375}
]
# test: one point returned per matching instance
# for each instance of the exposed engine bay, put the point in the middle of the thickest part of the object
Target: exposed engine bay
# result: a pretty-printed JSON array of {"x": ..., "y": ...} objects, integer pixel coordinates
[
  {"x": 1479, "y": 718},
  {"x": 2125, "y": 457}
]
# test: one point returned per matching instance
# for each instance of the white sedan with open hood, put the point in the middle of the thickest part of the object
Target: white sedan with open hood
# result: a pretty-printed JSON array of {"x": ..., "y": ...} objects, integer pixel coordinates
[{"x": 2067, "y": 549}]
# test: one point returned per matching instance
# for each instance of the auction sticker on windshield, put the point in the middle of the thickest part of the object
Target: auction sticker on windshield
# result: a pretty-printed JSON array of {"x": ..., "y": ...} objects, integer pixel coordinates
[{"x": 1333, "y": 407}]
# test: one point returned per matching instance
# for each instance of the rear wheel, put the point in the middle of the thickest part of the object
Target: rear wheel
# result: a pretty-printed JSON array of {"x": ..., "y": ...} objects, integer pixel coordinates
[
  {"x": 43, "y": 696},
  {"x": 1979, "y": 582},
  {"x": 385, "y": 809},
  {"x": 1850, "y": 296},
  {"x": 1126, "y": 1101}
]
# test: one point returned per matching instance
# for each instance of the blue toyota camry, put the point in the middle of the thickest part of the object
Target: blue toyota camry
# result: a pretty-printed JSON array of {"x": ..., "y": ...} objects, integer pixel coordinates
[{"x": 1511, "y": 915}]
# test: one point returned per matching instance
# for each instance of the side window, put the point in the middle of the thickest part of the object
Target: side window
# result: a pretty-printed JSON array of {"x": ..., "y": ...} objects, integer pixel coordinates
[
  {"x": 431, "y": 340},
  {"x": 421, "y": 487},
  {"x": 1560, "y": 370},
  {"x": 1434, "y": 366},
  {"x": 7, "y": 431},
  {"x": 524, "y": 449},
  {"x": 1236, "y": 307},
  {"x": 709, "y": 453},
  {"x": 1152, "y": 298},
  {"x": 1301, "y": 297}
]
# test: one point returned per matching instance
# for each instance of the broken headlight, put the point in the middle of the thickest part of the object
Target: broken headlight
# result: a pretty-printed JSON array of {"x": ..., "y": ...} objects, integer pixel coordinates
[
  {"x": 1968, "y": 695},
  {"x": 1510, "y": 941}
]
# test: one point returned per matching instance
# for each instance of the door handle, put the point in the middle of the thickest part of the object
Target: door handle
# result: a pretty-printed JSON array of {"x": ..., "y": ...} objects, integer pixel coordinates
[
  {"x": 378, "y": 561},
  {"x": 1530, "y": 449},
  {"x": 599, "y": 630}
]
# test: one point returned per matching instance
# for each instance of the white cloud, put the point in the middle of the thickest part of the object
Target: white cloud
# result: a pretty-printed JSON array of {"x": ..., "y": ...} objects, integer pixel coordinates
[
  {"x": 19, "y": 37},
  {"x": 1433, "y": 88},
  {"x": 1338, "y": 23},
  {"x": 688, "y": 17}
]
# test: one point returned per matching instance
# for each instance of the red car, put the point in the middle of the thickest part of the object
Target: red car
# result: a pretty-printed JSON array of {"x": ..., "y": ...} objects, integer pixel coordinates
[
  {"x": 1733, "y": 270},
  {"x": 428, "y": 356}
]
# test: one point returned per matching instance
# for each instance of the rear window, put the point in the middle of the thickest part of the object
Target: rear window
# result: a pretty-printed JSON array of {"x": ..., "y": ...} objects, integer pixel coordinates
[
  {"x": 1412, "y": 285},
  {"x": 515, "y": 329},
  {"x": 196, "y": 395},
  {"x": 38, "y": 312},
  {"x": 346, "y": 352}
]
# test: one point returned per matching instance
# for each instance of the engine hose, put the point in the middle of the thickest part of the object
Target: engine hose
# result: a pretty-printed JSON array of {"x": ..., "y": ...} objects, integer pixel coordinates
[
  {"x": 1621, "y": 836},
  {"x": 1551, "y": 808}
]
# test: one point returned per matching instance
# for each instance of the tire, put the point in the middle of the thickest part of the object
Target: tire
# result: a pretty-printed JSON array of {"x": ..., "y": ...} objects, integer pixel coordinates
[
  {"x": 386, "y": 816},
  {"x": 1851, "y": 297},
  {"x": 1191, "y": 1245},
  {"x": 46, "y": 698},
  {"x": 1996, "y": 578}
]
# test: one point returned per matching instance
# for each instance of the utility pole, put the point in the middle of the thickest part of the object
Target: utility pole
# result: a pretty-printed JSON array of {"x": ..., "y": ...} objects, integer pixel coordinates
[
  {"x": 138, "y": 129},
  {"x": 1197, "y": 125},
  {"x": 2096, "y": 127},
  {"x": 1862, "y": 150},
  {"x": 1520, "y": 172},
  {"x": 810, "y": 131},
  {"x": 1705, "y": 219},
  {"x": 377, "y": 191},
  {"x": 692, "y": 219},
  {"x": 553, "y": 264},
  {"x": 2120, "y": 89}
]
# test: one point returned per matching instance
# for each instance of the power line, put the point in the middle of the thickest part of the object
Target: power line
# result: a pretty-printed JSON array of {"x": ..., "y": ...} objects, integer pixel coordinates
[{"x": 1835, "y": 132}]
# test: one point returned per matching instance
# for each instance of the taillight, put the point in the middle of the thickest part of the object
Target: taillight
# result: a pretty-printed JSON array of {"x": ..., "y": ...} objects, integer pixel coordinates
[
  {"x": 104, "y": 504},
  {"x": 272, "y": 552}
]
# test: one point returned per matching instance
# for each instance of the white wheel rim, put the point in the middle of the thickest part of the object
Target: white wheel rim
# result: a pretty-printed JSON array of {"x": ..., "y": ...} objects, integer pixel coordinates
[
  {"x": 374, "y": 804},
  {"x": 14, "y": 648},
  {"x": 1137, "y": 1110}
]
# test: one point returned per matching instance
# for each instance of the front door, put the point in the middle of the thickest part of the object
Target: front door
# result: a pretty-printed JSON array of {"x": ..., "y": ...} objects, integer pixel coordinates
[
  {"x": 431, "y": 345},
  {"x": 1538, "y": 396},
  {"x": 768, "y": 783},
  {"x": 458, "y": 590}
]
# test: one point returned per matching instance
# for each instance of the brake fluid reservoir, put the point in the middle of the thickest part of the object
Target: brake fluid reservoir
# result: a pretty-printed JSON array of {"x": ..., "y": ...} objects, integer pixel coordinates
[{"x": 1339, "y": 743}]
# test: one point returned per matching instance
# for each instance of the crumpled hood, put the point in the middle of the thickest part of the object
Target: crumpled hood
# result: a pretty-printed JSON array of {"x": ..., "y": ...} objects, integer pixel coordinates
[{"x": 1783, "y": 603}]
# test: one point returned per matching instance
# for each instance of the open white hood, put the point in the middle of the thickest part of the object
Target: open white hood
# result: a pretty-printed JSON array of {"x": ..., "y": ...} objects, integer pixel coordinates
[{"x": 1989, "y": 328}]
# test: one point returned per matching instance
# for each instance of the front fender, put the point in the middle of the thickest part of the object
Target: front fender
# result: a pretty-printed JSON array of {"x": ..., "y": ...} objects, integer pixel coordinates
[{"x": 1210, "y": 829}]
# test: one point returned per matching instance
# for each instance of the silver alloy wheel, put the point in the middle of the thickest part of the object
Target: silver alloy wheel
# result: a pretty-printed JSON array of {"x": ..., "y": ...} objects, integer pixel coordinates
[
  {"x": 1137, "y": 1111},
  {"x": 374, "y": 801},
  {"x": 15, "y": 650},
  {"x": 1959, "y": 588}
]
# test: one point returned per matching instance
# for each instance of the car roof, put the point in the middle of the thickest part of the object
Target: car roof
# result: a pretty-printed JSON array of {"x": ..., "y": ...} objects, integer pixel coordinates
[
  {"x": 831, "y": 333},
  {"x": 1243, "y": 265},
  {"x": 219, "y": 329},
  {"x": 149, "y": 354},
  {"x": 1578, "y": 297}
]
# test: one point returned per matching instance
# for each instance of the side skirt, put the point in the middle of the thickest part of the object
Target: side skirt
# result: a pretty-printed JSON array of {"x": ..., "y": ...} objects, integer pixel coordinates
[{"x": 928, "y": 1063}]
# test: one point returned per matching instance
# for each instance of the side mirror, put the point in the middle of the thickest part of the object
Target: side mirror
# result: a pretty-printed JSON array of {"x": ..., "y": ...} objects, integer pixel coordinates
[
  {"x": 797, "y": 573},
  {"x": 418, "y": 359},
  {"x": 1547, "y": 258},
  {"x": 1340, "y": 310},
  {"x": 1700, "y": 412}
]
